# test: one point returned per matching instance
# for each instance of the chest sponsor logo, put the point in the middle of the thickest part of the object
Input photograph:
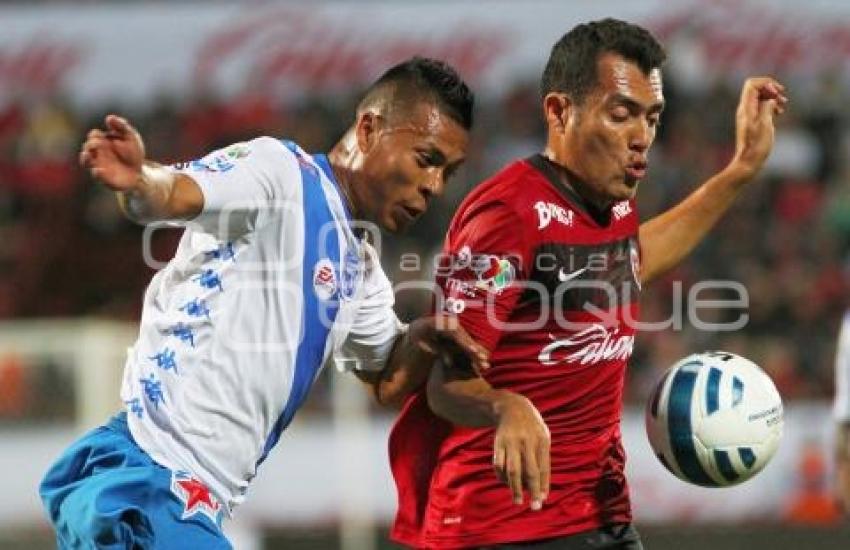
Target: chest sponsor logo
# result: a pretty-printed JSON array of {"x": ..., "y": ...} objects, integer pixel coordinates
[
  {"x": 547, "y": 211},
  {"x": 589, "y": 346},
  {"x": 324, "y": 279}
]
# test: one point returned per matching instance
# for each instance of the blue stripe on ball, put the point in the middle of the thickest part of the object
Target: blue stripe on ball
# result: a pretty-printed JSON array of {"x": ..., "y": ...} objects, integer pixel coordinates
[
  {"x": 679, "y": 426},
  {"x": 725, "y": 465}
]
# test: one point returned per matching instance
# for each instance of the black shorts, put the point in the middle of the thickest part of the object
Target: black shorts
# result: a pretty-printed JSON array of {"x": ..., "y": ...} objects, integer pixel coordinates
[{"x": 610, "y": 537}]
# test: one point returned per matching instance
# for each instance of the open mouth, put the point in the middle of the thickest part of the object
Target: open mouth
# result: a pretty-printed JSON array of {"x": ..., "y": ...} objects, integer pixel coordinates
[{"x": 636, "y": 170}]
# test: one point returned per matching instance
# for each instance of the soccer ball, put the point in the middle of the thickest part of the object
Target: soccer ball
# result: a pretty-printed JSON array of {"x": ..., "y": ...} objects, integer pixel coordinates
[{"x": 714, "y": 419}]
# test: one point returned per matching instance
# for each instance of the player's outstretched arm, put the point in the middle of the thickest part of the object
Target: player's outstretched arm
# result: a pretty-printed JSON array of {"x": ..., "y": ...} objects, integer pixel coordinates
[
  {"x": 146, "y": 191},
  {"x": 667, "y": 238},
  {"x": 414, "y": 353},
  {"x": 521, "y": 442}
]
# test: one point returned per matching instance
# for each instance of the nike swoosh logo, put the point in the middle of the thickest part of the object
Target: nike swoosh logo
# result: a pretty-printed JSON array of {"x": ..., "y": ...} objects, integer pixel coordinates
[{"x": 563, "y": 276}]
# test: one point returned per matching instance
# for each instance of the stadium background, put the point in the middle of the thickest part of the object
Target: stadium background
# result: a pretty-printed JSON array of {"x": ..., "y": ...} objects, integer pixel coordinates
[{"x": 197, "y": 75}]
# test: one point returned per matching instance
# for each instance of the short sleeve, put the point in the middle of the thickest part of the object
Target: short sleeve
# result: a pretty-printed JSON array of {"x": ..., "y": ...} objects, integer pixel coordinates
[
  {"x": 483, "y": 267},
  {"x": 375, "y": 327},
  {"x": 842, "y": 372},
  {"x": 241, "y": 181}
]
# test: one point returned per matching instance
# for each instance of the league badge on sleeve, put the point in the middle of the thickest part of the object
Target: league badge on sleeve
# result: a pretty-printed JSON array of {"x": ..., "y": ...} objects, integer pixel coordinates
[
  {"x": 222, "y": 160},
  {"x": 494, "y": 274}
]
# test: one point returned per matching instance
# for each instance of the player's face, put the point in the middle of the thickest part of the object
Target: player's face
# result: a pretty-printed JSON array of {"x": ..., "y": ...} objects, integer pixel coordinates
[
  {"x": 607, "y": 138},
  {"x": 408, "y": 163}
]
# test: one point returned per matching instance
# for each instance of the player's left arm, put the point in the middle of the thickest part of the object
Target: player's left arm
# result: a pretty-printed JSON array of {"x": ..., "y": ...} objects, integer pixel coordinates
[
  {"x": 667, "y": 238},
  {"x": 395, "y": 358},
  {"x": 414, "y": 353}
]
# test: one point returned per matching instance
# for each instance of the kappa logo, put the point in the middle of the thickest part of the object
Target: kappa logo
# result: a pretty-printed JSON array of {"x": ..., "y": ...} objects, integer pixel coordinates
[
  {"x": 546, "y": 212},
  {"x": 195, "y": 496},
  {"x": 324, "y": 279}
]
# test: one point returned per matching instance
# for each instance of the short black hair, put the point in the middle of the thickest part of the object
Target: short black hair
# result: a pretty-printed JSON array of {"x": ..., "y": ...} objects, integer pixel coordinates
[
  {"x": 428, "y": 79},
  {"x": 572, "y": 64}
]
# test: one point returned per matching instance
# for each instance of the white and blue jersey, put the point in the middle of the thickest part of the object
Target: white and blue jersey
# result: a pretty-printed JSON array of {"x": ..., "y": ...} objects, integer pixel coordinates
[{"x": 268, "y": 285}]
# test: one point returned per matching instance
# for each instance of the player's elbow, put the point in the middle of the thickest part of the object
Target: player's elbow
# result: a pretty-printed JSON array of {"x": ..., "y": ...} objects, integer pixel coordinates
[{"x": 389, "y": 397}]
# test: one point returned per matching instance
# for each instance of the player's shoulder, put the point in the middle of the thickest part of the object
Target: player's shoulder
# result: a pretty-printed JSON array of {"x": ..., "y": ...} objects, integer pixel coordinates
[
  {"x": 279, "y": 151},
  {"x": 507, "y": 192}
]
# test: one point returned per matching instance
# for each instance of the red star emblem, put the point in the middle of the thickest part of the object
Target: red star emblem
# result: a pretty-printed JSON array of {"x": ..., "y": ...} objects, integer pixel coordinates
[{"x": 197, "y": 495}]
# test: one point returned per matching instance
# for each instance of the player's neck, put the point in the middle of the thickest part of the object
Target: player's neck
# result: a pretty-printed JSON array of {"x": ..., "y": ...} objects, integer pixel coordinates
[
  {"x": 337, "y": 158},
  {"x": 570, "y": 178}
]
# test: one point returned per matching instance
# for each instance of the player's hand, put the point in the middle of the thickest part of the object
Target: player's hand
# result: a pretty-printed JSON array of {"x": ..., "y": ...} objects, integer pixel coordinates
[
  {"x": 762, "y": 99},
  {"x": 114, "y": 156},
  {"x": 521, "y": 449},
  {"x": 441, "y": 335}
]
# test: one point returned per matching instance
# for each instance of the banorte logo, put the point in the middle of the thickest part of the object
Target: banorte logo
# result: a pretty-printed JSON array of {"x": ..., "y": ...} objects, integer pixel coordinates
[
  {"x": 591, "y": 345},
  {"x": 288, "y": 48}
]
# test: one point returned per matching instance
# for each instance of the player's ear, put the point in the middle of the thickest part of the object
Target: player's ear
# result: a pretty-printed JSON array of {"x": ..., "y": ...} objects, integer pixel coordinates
[
  {"x": 366, "y": 130},
  {"x": 557, "y": 109}
]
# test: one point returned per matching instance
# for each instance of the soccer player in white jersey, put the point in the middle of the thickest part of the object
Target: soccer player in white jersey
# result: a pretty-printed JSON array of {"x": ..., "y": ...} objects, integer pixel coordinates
[
  {"x": 842, "y": 414},
  {"x": 272, "y": 280}
]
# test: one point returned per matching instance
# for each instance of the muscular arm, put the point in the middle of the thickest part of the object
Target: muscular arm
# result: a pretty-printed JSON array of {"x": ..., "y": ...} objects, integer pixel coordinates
[
  {"x": 146, "y": 190},
  {"x": 465, "y": 399},
  {"x": 414, "y": 353},
  {"x": 669, "y": 237},
  {"x": 521, "y": 442},
  {"x": 161, "y": 194}
]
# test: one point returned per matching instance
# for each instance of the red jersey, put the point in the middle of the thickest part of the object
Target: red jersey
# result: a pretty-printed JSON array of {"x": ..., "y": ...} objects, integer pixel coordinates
[{"x": 549, "y": 286}]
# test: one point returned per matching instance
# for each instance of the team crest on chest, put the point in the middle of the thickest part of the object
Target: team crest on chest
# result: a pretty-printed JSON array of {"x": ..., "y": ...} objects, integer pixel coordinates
[
  {"x": 195, "y": 496},
  {"x": 324, "y": 279}
]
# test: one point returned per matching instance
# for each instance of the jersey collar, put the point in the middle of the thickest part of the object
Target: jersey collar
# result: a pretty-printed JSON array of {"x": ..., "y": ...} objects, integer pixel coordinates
[
  {"x": 559, "y": 177},
  {"x": 323, "y": 162}
]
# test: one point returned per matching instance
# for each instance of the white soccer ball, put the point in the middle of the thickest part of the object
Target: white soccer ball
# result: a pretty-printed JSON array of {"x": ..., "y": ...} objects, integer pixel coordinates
[{"x": 714, "y": 419}]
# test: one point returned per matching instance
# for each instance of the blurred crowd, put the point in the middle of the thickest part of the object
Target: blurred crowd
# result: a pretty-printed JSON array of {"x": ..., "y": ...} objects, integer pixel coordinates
[{"x": 68, "y": 252}]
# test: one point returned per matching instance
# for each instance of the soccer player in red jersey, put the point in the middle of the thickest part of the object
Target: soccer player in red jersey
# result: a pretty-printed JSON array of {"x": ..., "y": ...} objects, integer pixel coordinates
[{"x": 543, "y": 266}]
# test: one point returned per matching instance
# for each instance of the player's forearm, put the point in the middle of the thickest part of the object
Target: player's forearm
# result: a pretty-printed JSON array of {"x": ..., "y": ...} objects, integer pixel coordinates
[
  {"x": 467, "y": 400},
  {"x": 161, "y": 195},
  {"x": 406, "y": 370},
  {"x": 668, "y": 238}
]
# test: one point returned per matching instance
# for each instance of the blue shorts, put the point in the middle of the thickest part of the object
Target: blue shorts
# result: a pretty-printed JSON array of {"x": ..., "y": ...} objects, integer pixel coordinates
[{"x": 106, "y": 492}]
